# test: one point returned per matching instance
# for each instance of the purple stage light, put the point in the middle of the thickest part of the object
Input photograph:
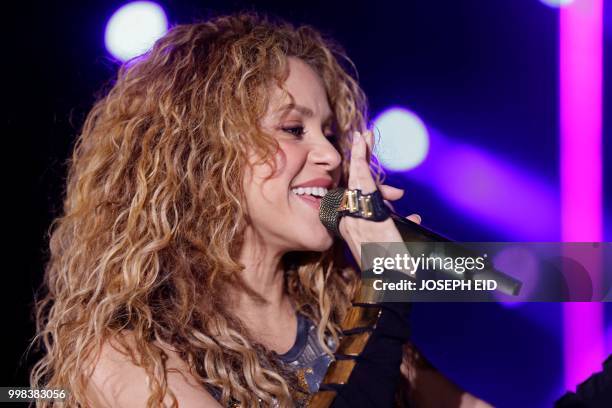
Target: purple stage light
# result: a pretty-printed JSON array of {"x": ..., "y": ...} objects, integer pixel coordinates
[
  {"x": 580, "y": 68},
  {"x": 609, "y": 338},
  {"x": 495, "y": 192}
]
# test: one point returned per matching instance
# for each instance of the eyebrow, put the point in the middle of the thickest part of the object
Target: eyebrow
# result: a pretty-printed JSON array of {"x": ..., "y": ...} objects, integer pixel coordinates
[{"x": 304, "y": 110}]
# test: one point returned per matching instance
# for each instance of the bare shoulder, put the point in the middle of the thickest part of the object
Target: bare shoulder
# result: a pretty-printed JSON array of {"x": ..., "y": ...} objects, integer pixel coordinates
[{"x": 117, "y": 382}]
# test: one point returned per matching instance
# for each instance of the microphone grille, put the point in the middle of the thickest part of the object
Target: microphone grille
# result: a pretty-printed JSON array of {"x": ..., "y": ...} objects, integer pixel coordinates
[{"x": 328, "y": 211}]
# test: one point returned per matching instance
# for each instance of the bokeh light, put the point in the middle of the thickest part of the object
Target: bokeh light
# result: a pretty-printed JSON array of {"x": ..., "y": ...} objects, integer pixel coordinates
[
  {"x": 134, "y": 28},
  {"x": 557, "y": 3},
  {"x": 520, "y": 263},
  {"x": 403, "y": 139}
]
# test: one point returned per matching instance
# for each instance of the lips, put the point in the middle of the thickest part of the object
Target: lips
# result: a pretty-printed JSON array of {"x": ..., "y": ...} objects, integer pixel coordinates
[
  {"x": 312, "y": 201},
  {"x": 310, "y": 192},
  {"x": 324, "y": 182}
]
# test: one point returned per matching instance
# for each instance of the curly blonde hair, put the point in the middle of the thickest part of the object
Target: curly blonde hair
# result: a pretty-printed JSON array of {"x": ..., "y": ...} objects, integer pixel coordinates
[{"x": 153, "y": 216}]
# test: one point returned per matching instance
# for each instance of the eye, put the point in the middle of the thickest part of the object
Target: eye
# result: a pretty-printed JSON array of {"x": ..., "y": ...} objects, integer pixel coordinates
[
  {"x": 295, "y": 130},
  {"x": 332, "y": 137}
]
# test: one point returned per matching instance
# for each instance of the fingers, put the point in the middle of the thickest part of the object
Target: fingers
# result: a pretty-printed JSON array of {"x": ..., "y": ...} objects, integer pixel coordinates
[
  {"x": 361, "y": 177},
  {"x": 359, "y": 170},
  {"x": 416, "y": 218},
  {"x": 368, "y": 135},
  {"x": 390, "y": 193}
]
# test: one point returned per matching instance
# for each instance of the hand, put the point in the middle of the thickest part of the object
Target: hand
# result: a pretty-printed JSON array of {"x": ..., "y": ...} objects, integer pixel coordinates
[
  {"x": 356, "y": 231},
  {"x": 424, "y": 386}
]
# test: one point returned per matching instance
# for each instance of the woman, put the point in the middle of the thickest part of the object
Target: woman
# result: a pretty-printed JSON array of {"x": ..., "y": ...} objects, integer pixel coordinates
[{"x": 190, "y": 252}]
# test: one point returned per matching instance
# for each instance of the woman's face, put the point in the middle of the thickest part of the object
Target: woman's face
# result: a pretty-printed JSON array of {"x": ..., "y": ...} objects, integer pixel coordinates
[{"x": 284, "y": 208}]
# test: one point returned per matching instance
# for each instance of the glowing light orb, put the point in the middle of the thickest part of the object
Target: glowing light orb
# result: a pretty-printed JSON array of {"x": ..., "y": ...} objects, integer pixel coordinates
[
  {"x": 557, "y": 3},
  {"x": 404, "y": 140},
  {"x": 134, "y": 28}
]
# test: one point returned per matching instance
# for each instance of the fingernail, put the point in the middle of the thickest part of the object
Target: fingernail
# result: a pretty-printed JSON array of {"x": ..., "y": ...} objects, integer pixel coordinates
[
  {"x": 356, "y": 137},
  {"x": 418, "y": 217}
]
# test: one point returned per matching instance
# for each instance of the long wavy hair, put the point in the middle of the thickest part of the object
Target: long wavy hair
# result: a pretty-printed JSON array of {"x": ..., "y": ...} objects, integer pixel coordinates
[{"x": 153, "y": 214}]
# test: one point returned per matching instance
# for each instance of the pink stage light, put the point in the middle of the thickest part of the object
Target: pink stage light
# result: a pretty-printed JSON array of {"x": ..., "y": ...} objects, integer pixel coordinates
[{"x": 580, "y": 70}]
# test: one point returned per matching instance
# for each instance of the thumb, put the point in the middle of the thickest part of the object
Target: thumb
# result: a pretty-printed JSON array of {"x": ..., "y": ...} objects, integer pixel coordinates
[{"x": 416, "y": 218}]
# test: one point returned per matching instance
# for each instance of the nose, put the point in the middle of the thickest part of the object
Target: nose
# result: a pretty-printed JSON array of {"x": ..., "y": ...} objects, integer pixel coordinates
[{"x": 324, "y": 153}]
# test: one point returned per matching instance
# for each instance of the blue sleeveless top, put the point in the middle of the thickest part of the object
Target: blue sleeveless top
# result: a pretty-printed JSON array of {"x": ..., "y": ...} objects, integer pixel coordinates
[{"x": 306, "y": 358}]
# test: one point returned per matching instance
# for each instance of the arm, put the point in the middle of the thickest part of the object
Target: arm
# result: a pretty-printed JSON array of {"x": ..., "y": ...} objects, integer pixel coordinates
[
  {"x": 427, "y": 387},
  {"x": 117, "y": 382},
  {"x": 427, "y": 384}
]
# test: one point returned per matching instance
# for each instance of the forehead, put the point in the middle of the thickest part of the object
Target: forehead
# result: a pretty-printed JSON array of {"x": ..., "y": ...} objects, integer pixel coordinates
[{"x": 306, "y": 88}]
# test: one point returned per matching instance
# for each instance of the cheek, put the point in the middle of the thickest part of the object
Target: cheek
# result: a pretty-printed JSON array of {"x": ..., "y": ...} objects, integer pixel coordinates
[
  {"x": 263, "y": 185},
  {"x": 290, "y": 159}
]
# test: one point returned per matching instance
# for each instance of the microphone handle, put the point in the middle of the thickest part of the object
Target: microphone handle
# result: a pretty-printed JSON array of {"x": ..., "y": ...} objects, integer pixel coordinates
[{"x": 414, "y": 233}]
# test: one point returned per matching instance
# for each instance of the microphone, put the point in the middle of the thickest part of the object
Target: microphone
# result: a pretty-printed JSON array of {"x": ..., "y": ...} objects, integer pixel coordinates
[{"x": 413, "y": 232}]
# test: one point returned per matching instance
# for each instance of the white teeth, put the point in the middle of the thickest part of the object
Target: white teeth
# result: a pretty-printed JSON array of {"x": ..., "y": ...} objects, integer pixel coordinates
[{"x": 314, "y": 191}]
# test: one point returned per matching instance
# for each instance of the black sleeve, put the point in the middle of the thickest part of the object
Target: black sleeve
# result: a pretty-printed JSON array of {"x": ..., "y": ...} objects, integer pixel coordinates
[
  {"x": 595, "y": 392},
  {"x": 376, "y": 376}
]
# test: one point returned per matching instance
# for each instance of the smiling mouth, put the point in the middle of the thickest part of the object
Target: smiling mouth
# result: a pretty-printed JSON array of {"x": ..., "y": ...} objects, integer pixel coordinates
[
  {"x": 310, "y": 191},
  {"x": 310, "y": 195}
]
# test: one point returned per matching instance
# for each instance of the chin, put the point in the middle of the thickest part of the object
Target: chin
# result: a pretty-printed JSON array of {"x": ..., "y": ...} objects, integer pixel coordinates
[{"x": 319, "y": 244}]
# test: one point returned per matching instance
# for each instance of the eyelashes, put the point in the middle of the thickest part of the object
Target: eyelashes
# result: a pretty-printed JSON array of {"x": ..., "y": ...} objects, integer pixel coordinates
[
  {"x": 297, "y": 131},
  {"x": 300, "y": 131}
]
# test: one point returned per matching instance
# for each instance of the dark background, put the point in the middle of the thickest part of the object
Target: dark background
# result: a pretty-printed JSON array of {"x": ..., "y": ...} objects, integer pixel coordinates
[{"x": 482, "y": 72}]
